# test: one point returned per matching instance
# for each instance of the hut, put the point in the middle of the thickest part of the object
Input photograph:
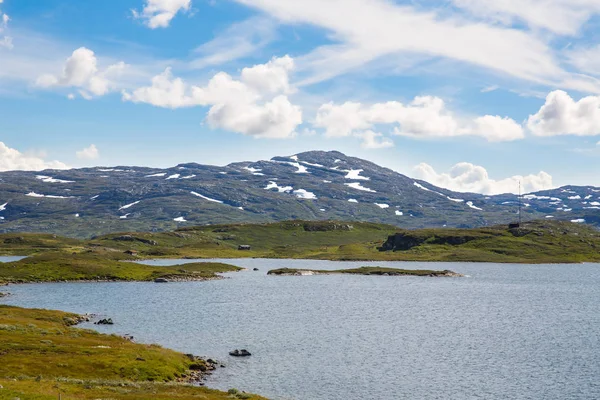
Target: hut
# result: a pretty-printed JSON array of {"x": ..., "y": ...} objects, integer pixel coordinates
[{"x": 244, "y": 247}]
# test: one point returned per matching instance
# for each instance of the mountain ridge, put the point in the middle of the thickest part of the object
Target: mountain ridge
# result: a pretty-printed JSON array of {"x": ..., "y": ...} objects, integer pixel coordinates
[{"x": 315, "y": 185}]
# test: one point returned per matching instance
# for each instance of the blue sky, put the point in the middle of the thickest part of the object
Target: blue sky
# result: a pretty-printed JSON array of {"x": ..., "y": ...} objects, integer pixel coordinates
[{"x": 472, "y": 95}]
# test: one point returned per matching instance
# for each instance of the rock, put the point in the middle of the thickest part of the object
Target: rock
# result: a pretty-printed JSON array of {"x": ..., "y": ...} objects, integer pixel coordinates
[
  {"x": 240, "y": 353},
  {"x": 255, "y": 269},
  {"x": 161, "y": 280},
  {"x": 105, "y": 321}
]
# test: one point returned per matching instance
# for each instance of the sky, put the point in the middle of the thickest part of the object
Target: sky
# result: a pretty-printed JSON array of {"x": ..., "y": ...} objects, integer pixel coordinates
[{"x": 470, "y": 95}]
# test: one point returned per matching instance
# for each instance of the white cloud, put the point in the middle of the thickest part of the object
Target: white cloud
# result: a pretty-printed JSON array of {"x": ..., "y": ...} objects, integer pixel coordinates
[
  {"x": 12, "y": 159},
  {"x": 5, "y": 41},
  {"x": 424, "y": 117},
  {"x": 563, "y": 17},
  {"x": 81, "y": 71},
  {"x": 374, "y": 140},
  {"x": 159, "y": 13},
  {"x": 88, "y": 153},
  {"x": 364, "y": 31},
  {"x": 467, "y": 177},
  {"x": 562, "y": 115},
  {"x": 237, "y": 41},
  {"x": 255, "y": 105}
]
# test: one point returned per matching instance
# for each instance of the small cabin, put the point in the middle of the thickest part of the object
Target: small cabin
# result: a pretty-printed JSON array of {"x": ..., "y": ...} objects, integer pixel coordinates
[
  {"x": 132, "y": 253},
  {"x": 244, "y": 247}
]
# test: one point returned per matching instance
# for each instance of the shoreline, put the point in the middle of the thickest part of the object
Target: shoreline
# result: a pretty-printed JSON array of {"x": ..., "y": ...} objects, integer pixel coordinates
[{"x": 58, "y": 337}]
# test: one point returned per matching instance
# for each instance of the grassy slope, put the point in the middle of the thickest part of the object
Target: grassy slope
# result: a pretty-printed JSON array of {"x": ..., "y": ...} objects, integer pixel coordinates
[
  {"x": 538, "y": 242},
  {"x": 42, "y": 355}
]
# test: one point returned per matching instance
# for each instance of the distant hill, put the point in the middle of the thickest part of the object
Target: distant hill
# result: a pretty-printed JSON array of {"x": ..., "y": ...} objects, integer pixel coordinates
[{"x": 314, "y": 185}]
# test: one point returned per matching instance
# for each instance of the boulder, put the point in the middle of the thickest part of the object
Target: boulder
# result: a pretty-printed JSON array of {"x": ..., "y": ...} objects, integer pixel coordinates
[{"x": 240, "y": 353}]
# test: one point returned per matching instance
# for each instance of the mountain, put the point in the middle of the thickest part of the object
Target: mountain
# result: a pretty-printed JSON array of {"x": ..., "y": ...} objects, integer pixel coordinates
[{"x": 314, "y": 185}]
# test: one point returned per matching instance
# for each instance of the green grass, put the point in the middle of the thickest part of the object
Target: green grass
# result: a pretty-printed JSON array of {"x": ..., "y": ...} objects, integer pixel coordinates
[
  {"x": 365, "y": 271},
  {"x": 105, "y": 266},
  {"x": 43, "y": 355}
]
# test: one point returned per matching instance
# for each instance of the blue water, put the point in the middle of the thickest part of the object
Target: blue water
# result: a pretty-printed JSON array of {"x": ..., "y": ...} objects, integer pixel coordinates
[
  {"x": 6, "y": 259},
  {"x": 504, "y": 332}
]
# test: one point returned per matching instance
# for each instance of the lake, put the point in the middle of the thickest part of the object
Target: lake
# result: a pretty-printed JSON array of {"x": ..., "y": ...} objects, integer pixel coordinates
[
  {"x": 504, "y": 332},
  {"x": 7, "y": 259}
]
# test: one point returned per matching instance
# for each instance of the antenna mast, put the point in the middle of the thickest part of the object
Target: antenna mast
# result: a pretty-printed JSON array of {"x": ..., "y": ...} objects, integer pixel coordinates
[{"x": 520, "y": 206}]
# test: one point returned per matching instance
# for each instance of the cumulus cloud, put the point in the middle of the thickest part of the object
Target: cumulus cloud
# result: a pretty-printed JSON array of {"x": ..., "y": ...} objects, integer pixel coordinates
[
  {"x": 159, "y": 13},
  {"x": 12, "y": 159},
  {"x": 81, "y": 71},
  {"x": 374, "y": 140},
  {"x": 562, "y": 115},
  {"x": 256, "y": 104},
  {"x": 88, "y": 153},
  {"x": 467, "y": 177},
  {"x": 424, "y": 117}
]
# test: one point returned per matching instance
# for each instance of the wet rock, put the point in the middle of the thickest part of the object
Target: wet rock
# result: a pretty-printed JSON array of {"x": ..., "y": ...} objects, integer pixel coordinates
[{"x": 240, "y": 353}]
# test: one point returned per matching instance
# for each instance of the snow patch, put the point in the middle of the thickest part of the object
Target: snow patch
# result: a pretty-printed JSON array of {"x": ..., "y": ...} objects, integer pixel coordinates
[
  {"x": 549, "y": 216},
  {"x": 355, "y": 174},
  {"x": 129, "y": 205},
  {"x": 280, "y": 189},
  {"x": 578, "y": 197},
  {"x": 174, "y": 176},
  {"x": 421, "y": 186},
  {"x": 384, "y": 206},
  {"x": 470, "y": 204},
  {"x": 188, "y": 177},
  {"x": 358, "y": 186},
  {"x": 399, "y": 213},
  {"x": 578, "y": 221},
  {"x": 179, "y": 219},
  {"x": 325, "y": 181},
  {"x": 49, "y": 179},
  {"x": 124, "y": 216},
  {"x": 455, "y": 200},
  {"x": 49, "y": 196},
  {"x": 295, "y": 158},
  {"x": 303, "y": 194},
  {"x": 94, "y": 197},
  {"x": 206, "y": 198},
  {"x": 253, "y": 170},
  {"x": 76, "y": 215},
  {"x": 353, "y": 200},
  {"x": 160, "y": 174},
  {"x": 3, "y": 206}
]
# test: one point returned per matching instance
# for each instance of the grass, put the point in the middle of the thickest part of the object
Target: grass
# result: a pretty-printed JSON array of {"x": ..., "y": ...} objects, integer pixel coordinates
[
  {"x": 43, "y": 355},
  {"x": 364, "y": 271},
  {"x": 100, "y": 265}
]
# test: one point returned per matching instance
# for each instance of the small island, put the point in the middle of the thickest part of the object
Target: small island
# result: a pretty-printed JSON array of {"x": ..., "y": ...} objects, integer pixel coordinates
[{"x": 381, "y": 271}]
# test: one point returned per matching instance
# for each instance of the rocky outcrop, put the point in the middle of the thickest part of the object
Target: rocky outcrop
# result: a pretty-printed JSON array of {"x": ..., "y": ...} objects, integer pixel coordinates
[
  {"x": 408, "y": 240},
  {"x": 131, "y": 238}
]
